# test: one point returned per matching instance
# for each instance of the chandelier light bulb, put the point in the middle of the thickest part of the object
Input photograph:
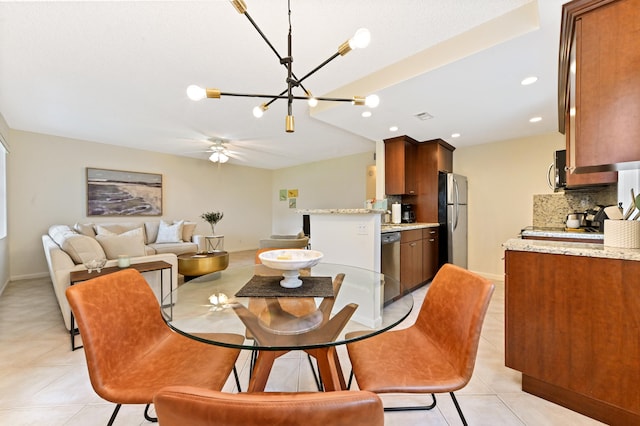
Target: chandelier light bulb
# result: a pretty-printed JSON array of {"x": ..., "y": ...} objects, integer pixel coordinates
[
  {"x": 258, "y": 112},
  {"x": 361, "y": 39},
  {"x": 372, "y": 101},
  {"x": 196, "y": 93}
]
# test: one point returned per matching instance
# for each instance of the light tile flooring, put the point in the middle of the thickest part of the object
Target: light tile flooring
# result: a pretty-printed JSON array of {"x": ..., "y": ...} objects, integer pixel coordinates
[{"x": 42, "y": 382}]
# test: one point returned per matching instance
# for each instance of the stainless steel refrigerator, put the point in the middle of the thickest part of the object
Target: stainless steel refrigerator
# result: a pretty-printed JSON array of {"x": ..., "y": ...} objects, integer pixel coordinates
[{"x": 452, "y": 216}]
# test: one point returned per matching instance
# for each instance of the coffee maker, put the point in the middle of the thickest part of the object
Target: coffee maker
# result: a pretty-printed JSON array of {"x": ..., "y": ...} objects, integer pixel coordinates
[{"x": 407, "y": 214}]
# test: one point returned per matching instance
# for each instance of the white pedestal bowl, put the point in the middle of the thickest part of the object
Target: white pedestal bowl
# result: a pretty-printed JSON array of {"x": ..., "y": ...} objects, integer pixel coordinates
[{"x": 290, "y": 262}]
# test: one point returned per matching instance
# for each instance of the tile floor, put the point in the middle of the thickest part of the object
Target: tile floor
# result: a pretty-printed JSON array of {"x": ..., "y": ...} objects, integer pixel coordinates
[{"x": 43, "y": 383}]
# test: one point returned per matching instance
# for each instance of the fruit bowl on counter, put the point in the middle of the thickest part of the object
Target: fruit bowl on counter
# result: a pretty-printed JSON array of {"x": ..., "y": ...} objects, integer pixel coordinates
[{"x": 290, "y": 262}]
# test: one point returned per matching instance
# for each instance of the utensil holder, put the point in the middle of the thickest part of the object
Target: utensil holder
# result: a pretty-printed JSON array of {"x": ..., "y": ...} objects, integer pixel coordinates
[{"x": 622, "y": 233}]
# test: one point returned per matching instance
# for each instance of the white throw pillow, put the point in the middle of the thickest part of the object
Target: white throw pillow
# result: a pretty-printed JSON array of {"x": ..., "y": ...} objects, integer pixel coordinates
[
  {"x": 130, "y": 243},
  {"x": 170, "y": 233}
]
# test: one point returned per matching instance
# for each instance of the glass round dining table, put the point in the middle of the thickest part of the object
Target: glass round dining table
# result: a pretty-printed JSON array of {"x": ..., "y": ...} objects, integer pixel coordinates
[{"x": 336, "y": 304}]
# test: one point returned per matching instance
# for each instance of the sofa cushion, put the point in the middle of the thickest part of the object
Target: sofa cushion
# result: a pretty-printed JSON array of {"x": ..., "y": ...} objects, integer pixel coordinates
[
  {"x": 151, "y": 231},
  {"x": 168, "y": 233},
  {"x": 82, "y": 248},
  {"x": 87, "y": 229},
  {"x": 129, "y": 243},
  {"x": 59, "y": 233},
  {"x": 176, "y": 248},
  {"x": 116, "y": 228},
  {"x": 187, "y": 231}
]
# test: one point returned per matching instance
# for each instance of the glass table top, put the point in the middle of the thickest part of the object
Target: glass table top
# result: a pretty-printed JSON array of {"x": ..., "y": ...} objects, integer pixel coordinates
[{"x": 207, "y": 307}]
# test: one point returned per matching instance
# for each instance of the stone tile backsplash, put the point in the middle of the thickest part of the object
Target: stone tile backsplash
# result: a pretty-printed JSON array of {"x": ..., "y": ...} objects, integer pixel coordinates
[{"x": 551, "y": 210}]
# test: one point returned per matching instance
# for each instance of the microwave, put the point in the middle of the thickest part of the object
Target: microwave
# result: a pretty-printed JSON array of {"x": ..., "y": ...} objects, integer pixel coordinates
[{"x": 559, "y": 169}]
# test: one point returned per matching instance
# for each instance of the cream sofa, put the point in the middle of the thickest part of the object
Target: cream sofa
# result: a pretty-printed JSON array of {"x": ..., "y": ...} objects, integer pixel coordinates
[{"x": 67, "y": 247}]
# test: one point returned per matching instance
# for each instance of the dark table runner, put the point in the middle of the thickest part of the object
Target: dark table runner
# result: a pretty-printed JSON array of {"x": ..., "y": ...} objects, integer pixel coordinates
[{"x": 269, "y": 286}]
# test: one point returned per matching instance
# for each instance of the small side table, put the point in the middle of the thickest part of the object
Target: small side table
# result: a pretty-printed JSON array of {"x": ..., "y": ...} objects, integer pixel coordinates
[
  {"x": 214, "y": 243},
  {"x": 194, "y": 265},
  {"x": 84, "y": 275}
]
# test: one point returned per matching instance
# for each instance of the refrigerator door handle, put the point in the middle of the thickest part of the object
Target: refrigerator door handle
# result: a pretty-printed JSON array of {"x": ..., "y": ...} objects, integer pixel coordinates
[{"x": 454, "y": 225}]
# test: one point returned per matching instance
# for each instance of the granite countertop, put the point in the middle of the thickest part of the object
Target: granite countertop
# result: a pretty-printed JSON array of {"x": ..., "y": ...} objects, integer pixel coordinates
[
  {"x": 558, "y": 232},
  {"x": 571, "y": 249},
  {"x": 395, "y": 227},
  {"x": 340, "y": 211}
]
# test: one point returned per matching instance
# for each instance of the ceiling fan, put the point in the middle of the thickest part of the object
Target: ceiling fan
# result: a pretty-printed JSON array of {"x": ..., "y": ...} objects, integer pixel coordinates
[{"x": 219, "y": 151}]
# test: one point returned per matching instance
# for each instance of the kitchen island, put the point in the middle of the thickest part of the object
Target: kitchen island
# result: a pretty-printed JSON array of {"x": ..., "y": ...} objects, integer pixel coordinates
[{"x": 572, "y": 325}]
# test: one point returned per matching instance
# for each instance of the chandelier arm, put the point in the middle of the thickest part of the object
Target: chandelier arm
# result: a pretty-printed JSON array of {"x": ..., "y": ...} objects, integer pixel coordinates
[
  {"x": 282, "y": 96},
  {"x": 264, "y": 37},
  {"x": 313, "y": 71}
]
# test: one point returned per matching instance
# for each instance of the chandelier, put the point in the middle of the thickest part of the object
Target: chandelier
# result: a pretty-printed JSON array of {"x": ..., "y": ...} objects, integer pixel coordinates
[{"x": 360, "y": 40}]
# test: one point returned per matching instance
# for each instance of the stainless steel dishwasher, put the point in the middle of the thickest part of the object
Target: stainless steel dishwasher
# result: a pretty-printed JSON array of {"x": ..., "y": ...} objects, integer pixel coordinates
[{"x": 390, "y": 261}]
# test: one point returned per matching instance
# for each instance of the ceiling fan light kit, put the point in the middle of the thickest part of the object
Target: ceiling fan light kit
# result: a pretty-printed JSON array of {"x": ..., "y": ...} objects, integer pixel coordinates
[{"x": 360, "y": 40}]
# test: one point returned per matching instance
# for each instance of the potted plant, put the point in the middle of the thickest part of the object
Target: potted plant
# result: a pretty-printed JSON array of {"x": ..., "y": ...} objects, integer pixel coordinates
[{"x": 212, "y": 218}]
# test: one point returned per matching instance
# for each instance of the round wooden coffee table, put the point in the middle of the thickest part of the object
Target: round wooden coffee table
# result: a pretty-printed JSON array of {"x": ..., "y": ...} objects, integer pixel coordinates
[{"x": 196, "y": 264}]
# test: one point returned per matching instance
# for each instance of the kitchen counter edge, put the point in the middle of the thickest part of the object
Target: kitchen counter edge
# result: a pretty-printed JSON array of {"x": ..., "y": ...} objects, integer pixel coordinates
[
  {"x": 571, "y": 249},
  {"x": 393, "y": 227}
]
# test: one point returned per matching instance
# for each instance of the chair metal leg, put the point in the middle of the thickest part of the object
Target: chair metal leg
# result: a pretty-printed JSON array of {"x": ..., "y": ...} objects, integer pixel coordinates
[
  {"x": 147, "y": 416},
  {"x": 455, "y": 402},
  {"x": 415, "y": 408},
  {"x": 420, "y": 407},
  {"x": 235, "y": 375},
  {"x": 114, "y": 414},
  {"x": 316, "y": 375}
]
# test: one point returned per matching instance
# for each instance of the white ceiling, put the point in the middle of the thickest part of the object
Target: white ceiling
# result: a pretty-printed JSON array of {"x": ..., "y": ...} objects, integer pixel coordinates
[{"x": 115, "y": 72}]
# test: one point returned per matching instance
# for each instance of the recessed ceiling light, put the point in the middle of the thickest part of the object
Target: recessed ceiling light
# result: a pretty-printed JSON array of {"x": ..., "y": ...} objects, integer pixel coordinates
[
  {"x": 393, "y": 128},
  {"x": 455, "y": 135},
  {"x": 535, "y": 119},
  {"x": 366, "y": 114},
  {"x": 529, "y": 80}
]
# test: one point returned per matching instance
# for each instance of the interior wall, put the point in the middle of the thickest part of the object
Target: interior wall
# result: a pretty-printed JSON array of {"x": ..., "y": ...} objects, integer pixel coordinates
[
  {"x": 337, "y": 183},
  {"x": 47, "y": 185},
  {"x": 503, "y": 177},
  {"x": 4, "y": 242}
]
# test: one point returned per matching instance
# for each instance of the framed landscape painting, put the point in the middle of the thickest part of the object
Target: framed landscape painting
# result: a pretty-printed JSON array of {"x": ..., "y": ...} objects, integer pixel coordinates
[{"x": 122, "y": 193}]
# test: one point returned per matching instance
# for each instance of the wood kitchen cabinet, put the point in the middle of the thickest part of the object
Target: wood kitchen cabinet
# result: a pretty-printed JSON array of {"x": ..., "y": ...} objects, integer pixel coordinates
[
  {"x": 432, "y": 157},
  {"x": 599, "y": 85},
  {"x": 400, "y": 177},
  {"x": 410, "y": 259},
  {"x": 429, "y": 253},
  {"x": 571, "y": 327}
]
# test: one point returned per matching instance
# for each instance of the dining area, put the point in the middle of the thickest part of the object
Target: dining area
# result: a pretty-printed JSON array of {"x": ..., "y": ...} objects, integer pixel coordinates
[
  {"x": 44, "y": 382},
  {"x": 287, "y": 302}
]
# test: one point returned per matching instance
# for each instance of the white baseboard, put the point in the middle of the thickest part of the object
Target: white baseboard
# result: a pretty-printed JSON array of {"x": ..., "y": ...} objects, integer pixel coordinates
[{"x": 29, "y": 276}]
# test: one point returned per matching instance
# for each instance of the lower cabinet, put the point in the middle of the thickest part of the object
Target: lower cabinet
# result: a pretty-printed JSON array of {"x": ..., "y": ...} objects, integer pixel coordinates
[
  {"x": 571, "y": 327},
  {"x": 410, "y": 259},
  {"x": 418, "y": 257},
  {"x": 429, "y": 253}
]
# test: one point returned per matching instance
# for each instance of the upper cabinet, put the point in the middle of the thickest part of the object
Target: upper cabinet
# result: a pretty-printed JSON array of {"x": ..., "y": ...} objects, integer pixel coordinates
[
  {"x": 432, "y": 157},
  {"x": 599, "y": 86},
  {"x": 400, "y": 170}
]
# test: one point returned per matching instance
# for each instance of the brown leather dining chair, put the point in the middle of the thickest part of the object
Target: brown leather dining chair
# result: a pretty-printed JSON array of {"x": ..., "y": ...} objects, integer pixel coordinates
[
  {"x": 184, "y": 405},
  {"x": 437, "y": 354},
  {"x": 131, "y": 353}
]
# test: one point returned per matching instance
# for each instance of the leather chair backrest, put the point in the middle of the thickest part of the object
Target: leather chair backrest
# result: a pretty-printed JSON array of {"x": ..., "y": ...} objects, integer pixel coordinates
[
  {"x": 453, "y": 312},
  {"x": 183, "y": 405},
  {"x": 117, "y": 314}
]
